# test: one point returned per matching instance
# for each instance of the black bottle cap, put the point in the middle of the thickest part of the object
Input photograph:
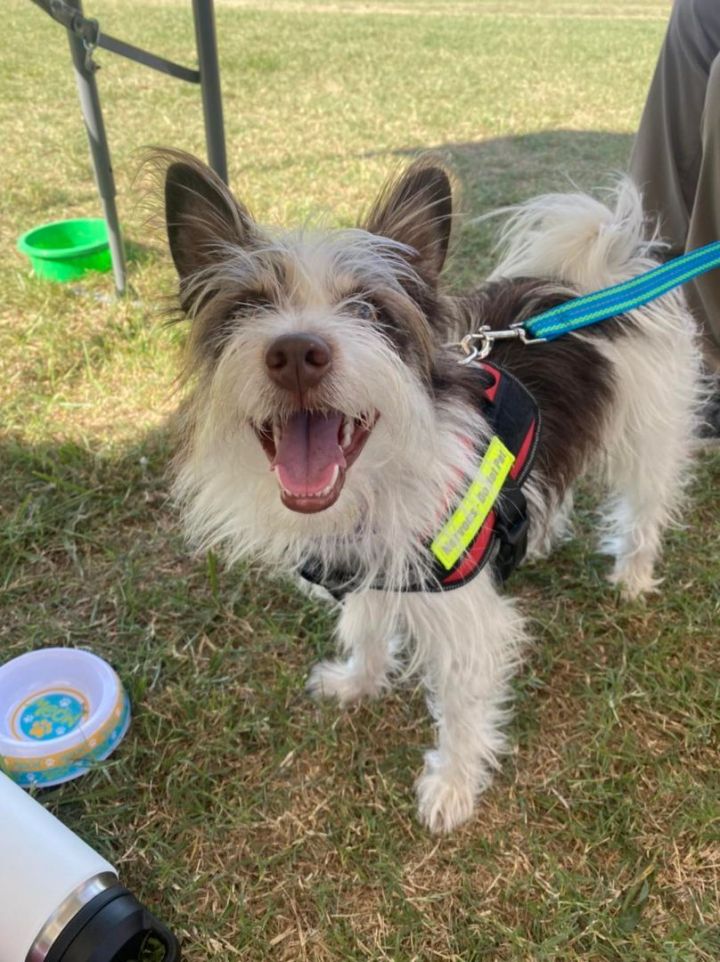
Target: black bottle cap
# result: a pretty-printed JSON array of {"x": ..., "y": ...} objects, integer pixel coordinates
[{"x": 114, "y": 927}]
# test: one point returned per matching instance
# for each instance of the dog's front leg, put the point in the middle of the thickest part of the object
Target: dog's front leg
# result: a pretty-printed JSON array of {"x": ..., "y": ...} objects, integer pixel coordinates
[
  {"x": 469, "y": 642},
  {"x": 365, "y": 632}
]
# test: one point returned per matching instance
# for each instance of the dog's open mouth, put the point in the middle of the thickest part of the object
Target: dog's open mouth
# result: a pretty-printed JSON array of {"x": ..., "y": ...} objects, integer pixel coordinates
[{"x": 310, "y": 454}]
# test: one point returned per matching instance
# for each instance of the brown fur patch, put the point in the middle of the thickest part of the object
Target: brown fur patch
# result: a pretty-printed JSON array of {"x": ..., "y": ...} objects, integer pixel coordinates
[{"x": 570, "y": 379}]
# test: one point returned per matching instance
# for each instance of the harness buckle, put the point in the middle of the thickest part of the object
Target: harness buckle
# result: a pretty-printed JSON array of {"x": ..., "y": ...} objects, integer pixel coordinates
[
  {"x": 511, "y": 529},
  {"x": 478, "y": 344}
]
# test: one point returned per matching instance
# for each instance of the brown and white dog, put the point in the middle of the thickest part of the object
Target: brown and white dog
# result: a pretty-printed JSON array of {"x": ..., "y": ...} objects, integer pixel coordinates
[{"x": 329, "y": 419}]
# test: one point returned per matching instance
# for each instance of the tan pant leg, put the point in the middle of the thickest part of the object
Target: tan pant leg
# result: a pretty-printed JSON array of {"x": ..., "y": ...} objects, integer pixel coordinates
[
  {"x": 704, "y": 293},
  {"x": 677, "y": 148}
]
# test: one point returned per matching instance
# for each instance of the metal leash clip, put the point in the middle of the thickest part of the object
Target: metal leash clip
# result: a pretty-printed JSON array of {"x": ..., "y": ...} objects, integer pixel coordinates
[{"x": 478, "y": 344}]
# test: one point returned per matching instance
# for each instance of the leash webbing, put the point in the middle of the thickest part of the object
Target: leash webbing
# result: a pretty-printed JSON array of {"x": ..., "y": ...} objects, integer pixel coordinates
[{"x": 600, "y": 305}]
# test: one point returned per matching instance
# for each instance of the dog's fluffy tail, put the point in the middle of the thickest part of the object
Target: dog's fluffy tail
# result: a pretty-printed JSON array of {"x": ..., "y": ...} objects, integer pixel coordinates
[{"x": 577, "y": 239}]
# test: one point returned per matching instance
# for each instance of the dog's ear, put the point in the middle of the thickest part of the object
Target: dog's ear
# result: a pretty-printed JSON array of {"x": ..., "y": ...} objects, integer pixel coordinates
[
  {"x": 201, "y": 215},
  {"x": 416, "y": 210}
]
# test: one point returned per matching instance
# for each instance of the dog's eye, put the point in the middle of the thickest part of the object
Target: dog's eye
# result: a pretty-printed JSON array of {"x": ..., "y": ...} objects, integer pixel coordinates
[
  {"x": 251, "y": 302},
  {"x": 362, "y": 309}
]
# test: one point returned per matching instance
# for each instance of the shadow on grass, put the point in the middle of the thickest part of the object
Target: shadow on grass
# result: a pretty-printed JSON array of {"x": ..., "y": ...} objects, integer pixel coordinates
[
  {"x": 92, "y": 552},
  {"x": 140, "y": 255},
  {"x": 529, "y": 163},
  {"x": 541, "y": 161},
  {"x": 56, "y": 492},
  {"x": 507, "y": 170}
]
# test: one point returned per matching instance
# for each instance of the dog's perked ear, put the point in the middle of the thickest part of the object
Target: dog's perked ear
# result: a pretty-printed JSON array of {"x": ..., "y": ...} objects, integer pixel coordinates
[
  {"x": 416, "y": 210},
  {"x": 201, "y": 215}
]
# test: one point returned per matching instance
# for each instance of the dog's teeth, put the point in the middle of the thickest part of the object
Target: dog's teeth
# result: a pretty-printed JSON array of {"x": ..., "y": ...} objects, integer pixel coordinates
[
  {"x": 328, "y": 487},
  {"x": 318, "y": 494},
  {"x": 347, "y": 432},
  {"x": 277, "y": 433}
]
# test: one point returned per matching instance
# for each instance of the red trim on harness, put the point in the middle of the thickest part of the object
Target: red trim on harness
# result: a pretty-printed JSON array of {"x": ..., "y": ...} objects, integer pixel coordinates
[
  {"x": 476, "y": 554},
  {"x": 522, "y": 455},
  {"x": 523, "y": 452},
  {"x": 495, "y": 374}
]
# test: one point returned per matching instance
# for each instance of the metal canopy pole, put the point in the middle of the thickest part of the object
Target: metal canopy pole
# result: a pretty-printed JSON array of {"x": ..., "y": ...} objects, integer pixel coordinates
[
  {"x": 95, "y": 127},
  {"x": 205, "y": 35},
  {"x": 84, "y": 36}
]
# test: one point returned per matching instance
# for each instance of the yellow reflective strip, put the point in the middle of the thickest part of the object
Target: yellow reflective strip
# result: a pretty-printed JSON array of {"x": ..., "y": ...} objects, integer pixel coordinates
[{"x": 466, "y": 520}]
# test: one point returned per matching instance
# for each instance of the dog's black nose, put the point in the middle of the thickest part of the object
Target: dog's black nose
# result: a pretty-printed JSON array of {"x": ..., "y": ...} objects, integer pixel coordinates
[{"x": 298, "y": 362}]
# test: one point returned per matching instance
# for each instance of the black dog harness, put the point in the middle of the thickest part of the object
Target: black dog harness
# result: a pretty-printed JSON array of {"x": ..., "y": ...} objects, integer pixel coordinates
[{"x": 489, "y": 522}]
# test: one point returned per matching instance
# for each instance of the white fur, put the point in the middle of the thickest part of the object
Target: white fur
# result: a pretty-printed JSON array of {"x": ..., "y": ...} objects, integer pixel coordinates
[{"x": 466, "y": 643}]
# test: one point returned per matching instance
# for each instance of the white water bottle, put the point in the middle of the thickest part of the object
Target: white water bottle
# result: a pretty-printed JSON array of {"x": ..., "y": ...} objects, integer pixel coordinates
[{"x": 59, "y": 900}]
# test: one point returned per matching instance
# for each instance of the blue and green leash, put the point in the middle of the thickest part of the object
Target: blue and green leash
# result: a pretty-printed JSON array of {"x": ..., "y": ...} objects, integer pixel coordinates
[{"x": 600, "y": 305}]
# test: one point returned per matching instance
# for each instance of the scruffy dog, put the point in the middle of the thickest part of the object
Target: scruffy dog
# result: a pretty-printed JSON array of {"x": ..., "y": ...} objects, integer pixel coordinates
[{"x": 330, "y": 426}]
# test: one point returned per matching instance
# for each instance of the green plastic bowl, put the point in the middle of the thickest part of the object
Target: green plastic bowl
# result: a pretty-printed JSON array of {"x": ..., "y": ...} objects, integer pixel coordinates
[{"x": 67, "y": 249}]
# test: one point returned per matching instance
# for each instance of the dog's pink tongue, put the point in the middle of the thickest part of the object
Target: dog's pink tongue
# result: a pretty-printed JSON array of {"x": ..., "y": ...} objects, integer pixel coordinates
[{"x": 308, "y": 453}]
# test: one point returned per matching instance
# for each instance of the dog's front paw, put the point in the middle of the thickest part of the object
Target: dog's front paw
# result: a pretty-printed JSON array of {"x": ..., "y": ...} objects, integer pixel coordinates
[
  {"x": 341, "y": 680},
  {"x": 634, "y": 579},
  {"x": 446, "y": 799}
]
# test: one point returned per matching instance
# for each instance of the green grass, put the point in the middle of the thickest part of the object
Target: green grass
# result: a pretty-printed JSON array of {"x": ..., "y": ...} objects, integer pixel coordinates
[{"x": 255, "y": 823}]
